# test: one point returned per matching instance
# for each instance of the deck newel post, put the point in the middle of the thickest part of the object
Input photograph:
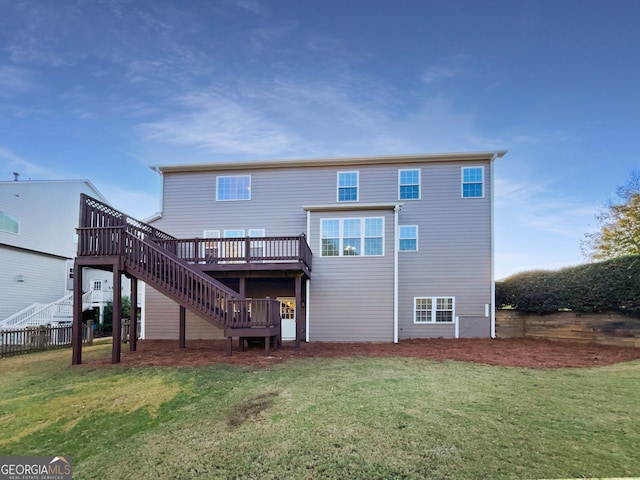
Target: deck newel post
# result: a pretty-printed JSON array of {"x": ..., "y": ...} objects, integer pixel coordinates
[
  {"x": 133, "y": 316},
  {"x": 242, "y": 287},
  {"x": 76, "y": 335},
  {"x": 117, "y": 314},
  {"x": 298, "y": 289},
  {"x": 182, "y": 340}
]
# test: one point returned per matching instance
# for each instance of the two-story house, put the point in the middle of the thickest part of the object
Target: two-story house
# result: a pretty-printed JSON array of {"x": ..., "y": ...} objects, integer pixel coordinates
[
  {"x": 38, "y": 243},
  {"x": 402, "y": 245}
]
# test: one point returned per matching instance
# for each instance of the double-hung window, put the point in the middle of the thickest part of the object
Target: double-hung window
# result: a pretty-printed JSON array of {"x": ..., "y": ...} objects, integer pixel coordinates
[
  {"x": 235, "y": 187},
  {"x": 348, "y": 186},
  {"x": 433, "y": 309},
  {"x": 472, "y": 181},
  {"x": 409, "y": 184},
  {"x": 408, "y": 238},
  {"x": 344, "y": 237}
]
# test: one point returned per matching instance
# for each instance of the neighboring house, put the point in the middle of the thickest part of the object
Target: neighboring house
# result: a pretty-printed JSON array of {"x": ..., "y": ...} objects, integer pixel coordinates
[
  {"x": 402, "y": 245},
  {"x": 38, "y": 242}
]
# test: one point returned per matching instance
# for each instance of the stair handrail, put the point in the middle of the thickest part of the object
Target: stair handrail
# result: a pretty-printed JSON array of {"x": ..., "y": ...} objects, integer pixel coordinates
[
  {"x": 170, "y": 272},
  {"x": 42, "y": 313}
]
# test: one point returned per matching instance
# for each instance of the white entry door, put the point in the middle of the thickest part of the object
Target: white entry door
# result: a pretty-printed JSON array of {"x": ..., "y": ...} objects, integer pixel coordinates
[{"x": 288, "y": 312}]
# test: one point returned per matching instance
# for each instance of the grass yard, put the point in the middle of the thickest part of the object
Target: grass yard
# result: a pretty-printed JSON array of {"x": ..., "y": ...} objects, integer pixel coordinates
[{"x": 322, "y": 418}]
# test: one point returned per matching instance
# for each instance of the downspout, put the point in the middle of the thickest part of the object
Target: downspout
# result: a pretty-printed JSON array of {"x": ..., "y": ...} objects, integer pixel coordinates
[
  {"x": 492, "y": 306},
  {"x": 396, "y": 240},
  {"x": 307, "y": 309}
]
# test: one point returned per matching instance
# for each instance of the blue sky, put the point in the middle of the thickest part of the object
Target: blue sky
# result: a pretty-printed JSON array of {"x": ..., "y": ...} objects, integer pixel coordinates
[{"x": 101, "y": 89}]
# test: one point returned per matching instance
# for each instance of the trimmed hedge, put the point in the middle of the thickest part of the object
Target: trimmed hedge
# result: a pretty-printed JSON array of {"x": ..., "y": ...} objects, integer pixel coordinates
[{"x": 608, "y": 286}]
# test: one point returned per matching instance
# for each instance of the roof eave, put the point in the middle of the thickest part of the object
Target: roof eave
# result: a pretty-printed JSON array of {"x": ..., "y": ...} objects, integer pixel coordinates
[{"x": 331, "y": 162}]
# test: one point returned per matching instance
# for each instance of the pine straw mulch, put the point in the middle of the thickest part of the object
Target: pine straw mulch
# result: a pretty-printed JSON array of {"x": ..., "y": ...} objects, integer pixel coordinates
[{"x": 516, "y": 352}]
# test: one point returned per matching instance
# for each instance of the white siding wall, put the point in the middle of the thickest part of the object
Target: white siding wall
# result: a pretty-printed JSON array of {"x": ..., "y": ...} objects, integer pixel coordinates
[
  {"x": 48, "y": 213},
  {"x": 44, "y": 280}
]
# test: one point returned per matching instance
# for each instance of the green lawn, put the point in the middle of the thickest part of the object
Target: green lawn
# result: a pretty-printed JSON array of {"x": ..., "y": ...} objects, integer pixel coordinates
[{"x": 322, "y": 418}]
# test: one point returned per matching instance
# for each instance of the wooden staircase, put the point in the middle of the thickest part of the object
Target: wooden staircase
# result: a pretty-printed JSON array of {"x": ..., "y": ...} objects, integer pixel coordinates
[{"x": 108, "y": 236}]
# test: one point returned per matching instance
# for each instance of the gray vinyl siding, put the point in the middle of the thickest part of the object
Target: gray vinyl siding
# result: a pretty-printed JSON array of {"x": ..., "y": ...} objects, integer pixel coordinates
[
  {"x": 162, "y": 320},
  {"x": 454, "y": 257},
  {"x": 351, "y": 298}
]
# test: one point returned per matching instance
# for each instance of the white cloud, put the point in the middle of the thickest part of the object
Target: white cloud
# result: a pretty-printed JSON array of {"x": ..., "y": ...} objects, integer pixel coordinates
[
  {"x": 14, "y": 80},
  {"x": 219, "y": 124},
  {"x": 439, "y": 72},
  {"x": 27, "y": 169}
]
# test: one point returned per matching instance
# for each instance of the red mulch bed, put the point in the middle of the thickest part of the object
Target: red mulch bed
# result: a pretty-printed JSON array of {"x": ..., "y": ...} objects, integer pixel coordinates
[{"x": 517, "y": 352}]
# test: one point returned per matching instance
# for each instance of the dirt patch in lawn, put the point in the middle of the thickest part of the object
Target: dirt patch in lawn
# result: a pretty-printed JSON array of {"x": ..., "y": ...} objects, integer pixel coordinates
[{"x": 517, "y": 352}]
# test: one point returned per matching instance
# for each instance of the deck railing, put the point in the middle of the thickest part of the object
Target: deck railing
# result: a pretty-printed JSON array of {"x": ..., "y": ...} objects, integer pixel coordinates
[
  {"x": 256, "y": 312},
  {"x": 240, "y": 250},
  {"x": 40, "y": 314}
]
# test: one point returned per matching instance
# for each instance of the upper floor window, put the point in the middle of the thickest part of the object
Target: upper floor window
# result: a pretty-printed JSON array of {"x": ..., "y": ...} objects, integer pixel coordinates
[
  {"x": 237, "y": 187},
  {"x": 343, "y": 237},
  {"x": 409, "y": 184},
  {"x": 347, "y": 186},
  {"x": 472, "y": 181},
  {"x": 9, "y": 223},
  {"x": 408, "y": 238}
]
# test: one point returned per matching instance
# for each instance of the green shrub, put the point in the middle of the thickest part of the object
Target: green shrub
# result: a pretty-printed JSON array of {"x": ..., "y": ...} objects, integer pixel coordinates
[{"x": 608, "y": 286}]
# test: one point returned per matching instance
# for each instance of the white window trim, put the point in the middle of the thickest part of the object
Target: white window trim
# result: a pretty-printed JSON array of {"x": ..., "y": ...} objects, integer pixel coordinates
[
  {"x": 419, "y": 183},
  {"x": 434, "y": 303},
  {"x": 341, "y": 237},
  {"x": 218, "y": 199},
  {"x": 357, "y": 172},
  {"x": 417, "y": 240},
  {"x": 462, "y": 182}
]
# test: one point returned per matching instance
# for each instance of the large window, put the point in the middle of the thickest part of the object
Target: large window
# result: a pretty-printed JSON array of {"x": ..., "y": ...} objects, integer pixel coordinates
[
  {"x": 9, "y": 223},
  {"x": 472, "y": 180},
  {"x": 433, "y": 309},
  {"x": 347, "y": 186},
  {"x": 408, "y": 238},
  {"x": 409, "y": 184},
  {"x": 236, "y": 187},
  {"x": 342, "y": 237}
]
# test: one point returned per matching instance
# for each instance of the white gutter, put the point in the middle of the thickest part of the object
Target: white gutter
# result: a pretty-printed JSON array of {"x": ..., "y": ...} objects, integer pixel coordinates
[
  {"x": 396, "y": 240},
  {"x": 308, "y": 289},
  {"x": 492, "y": 306}
]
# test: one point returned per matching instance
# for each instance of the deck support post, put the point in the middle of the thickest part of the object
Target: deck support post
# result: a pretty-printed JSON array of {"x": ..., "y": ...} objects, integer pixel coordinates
[
  {"x": 133, "y": 316},
  {"x": 117, "y": 314},
  {"x": 242, "y": 287},
  {"x": 298, "y": 289},
  {"x": 183, "y": 327},
  {"x": 76, "y": 335},
  {"x": 229, "y": 346}
]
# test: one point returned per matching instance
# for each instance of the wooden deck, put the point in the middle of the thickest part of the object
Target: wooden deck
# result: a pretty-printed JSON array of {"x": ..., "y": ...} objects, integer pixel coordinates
[{"x": 179, "y": 268}]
